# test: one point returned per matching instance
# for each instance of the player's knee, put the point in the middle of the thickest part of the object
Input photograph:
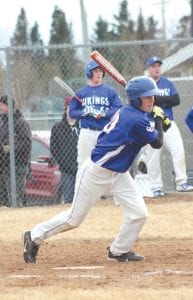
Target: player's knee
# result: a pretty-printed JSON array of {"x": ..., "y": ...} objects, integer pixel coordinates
[
  {"x": 142, "y": 214},
  {"x": 75, "y": 224}
]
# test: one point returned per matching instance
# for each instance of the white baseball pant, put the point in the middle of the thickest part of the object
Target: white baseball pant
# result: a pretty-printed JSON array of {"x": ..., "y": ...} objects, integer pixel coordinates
[
  {"x": 173, "y": 143},
  {"x": 92, "y": 182},
  {"x": 86, "y": 142}
]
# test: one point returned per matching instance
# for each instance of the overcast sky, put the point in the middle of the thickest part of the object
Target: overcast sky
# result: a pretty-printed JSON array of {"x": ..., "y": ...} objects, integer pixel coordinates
[{"x": 42, "y": 10}]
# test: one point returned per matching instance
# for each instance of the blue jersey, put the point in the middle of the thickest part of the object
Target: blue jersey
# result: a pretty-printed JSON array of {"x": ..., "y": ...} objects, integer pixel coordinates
[
  {"x": 102, "y": 97},
  {"x": 121, "y": 139},
  {"x": 189, "y": 120},
  {"x": 166, "y": 88}
]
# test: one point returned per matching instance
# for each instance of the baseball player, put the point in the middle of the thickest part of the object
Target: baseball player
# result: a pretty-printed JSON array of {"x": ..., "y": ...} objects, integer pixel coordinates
[
  {"x": 100, "y": 102},
  {"x": 106, "y": 171},
  {"x": 189, "y": 120},
  {"x": 168, "y": 98}
]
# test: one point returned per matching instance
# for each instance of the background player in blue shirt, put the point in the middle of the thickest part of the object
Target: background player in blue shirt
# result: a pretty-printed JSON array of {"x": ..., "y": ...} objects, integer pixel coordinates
[
  {"x": 189, "y": 119},
  {"x": 168, "y": 98},
  {"x": 100, "y": 102},
  {"x": 106, "y": 172}
]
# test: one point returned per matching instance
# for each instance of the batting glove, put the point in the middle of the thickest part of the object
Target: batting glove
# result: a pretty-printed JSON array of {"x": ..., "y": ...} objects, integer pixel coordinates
[
  {"x": 166, "y": 123},
  {"x": 158, "y": 112}
]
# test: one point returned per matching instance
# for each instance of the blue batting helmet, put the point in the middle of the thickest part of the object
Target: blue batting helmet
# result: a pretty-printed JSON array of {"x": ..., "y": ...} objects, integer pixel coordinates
[
  {"x": 91, "y": 66},
  {"x": 138, "y": 87}
]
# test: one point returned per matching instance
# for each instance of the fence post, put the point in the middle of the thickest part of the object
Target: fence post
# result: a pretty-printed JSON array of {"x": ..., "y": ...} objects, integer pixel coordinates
[{"x": 11, "y": 127}]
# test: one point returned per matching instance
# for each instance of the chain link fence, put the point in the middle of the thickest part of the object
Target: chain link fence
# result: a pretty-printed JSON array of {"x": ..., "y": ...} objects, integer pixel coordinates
[{"x": 26, "y": 75}]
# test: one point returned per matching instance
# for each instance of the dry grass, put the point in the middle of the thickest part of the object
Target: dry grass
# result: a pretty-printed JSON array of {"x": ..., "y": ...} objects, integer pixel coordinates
[
  {"x": 51, "y": 293},
  {"x": 168, "y": 221}
]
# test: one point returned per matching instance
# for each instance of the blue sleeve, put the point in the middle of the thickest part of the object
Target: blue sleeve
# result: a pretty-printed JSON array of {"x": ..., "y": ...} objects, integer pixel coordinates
[
  {"x": 189, "y": 120},
  {"x": 145, "y": 132},
  {"x": 173, "y": 90},
  {"x": 75, "y": 109}
]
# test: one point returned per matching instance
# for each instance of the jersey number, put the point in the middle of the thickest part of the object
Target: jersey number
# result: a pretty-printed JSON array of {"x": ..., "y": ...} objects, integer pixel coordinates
[{"x": 111, "y": 125}]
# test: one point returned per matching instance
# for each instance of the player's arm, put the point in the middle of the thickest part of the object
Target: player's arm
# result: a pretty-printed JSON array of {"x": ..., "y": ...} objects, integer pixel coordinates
[
  {"x": 115, "y": 103},
  {"x": 167, "y": 101},
  {"x": 173, "y": 99},
  {"x": 78, "y": 110},
  {"x": 158, "y": 116},
  {"x": 75, "y": 109},
  {"x": 158, "y": 142}
]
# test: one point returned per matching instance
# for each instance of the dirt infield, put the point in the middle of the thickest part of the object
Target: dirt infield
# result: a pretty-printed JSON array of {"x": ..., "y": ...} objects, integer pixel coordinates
[
  {"x": 81, "y": 263},
  {"x": 167, "y": 265}
]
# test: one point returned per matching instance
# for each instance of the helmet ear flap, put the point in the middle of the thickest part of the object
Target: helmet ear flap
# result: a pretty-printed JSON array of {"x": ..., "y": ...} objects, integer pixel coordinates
[
  {"x": 89, "y": 74},
  {"x": 136, "y": 103}
]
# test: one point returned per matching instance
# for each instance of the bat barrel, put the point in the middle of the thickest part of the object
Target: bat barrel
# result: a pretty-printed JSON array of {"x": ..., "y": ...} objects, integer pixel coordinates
[{"x": 108, "y": 67}]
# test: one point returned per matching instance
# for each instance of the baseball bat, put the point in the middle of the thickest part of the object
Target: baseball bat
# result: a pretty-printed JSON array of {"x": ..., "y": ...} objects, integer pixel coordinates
[
  {"x": 108, "y": 67},
  {"x": 67, "y": 89}
]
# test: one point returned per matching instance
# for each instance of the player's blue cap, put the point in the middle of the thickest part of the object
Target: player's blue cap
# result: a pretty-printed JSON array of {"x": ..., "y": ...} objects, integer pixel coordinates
[{"x": 152, "y": 60}]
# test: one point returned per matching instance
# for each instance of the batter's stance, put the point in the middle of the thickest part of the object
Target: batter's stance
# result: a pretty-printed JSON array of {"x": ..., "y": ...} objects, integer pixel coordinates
[{"x": 106, "y": 172}]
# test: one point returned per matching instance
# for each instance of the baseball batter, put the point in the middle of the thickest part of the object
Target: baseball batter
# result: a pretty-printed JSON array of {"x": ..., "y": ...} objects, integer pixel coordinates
[
  {"x": 106, "y": 172},
  {"x": 100, "y": 102},
  {"x": 168, "y": 98}
]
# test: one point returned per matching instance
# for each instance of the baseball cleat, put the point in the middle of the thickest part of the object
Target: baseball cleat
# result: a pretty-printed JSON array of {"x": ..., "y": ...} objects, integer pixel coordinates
[
  {"x": 158, "y": 193},
  {"x": 184, "y": 187},
  {"x": 129, "y": 256},
  {"x": 30, "y": 249}
]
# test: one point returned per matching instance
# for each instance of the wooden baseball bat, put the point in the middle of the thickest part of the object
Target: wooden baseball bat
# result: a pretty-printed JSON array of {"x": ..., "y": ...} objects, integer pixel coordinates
[
  {"x": 108, "y": 67},
  {"x": 67, "y": 89}
]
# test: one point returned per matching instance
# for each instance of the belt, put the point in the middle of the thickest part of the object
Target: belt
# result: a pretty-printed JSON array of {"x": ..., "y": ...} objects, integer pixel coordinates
[{"x": 95, "y": 129}]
